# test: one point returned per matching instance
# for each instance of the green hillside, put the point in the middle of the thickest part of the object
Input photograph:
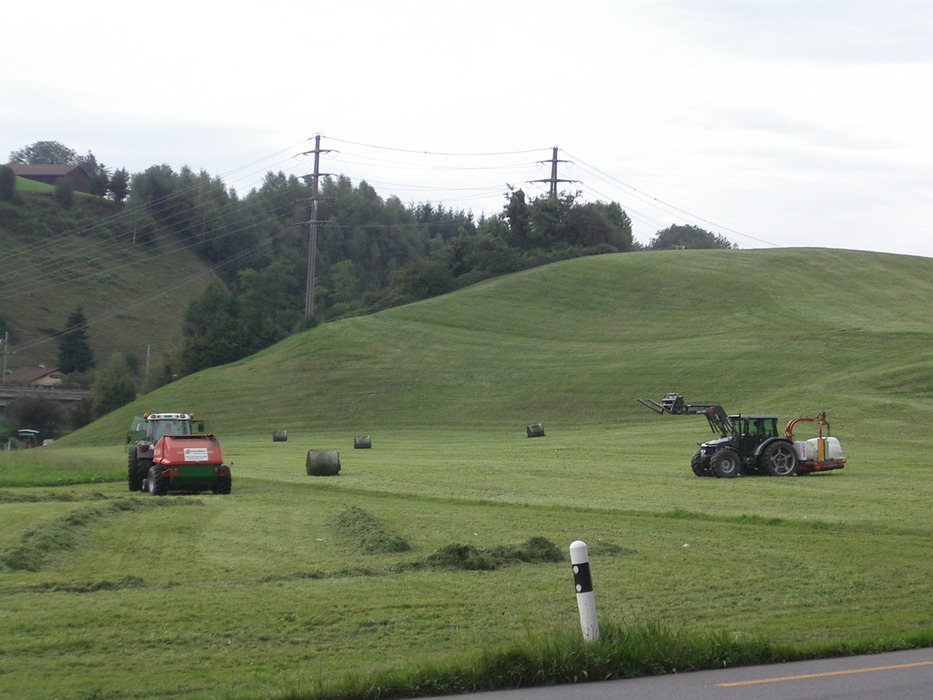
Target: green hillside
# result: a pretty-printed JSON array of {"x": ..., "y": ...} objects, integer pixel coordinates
[
  {"x": 576, "y": 342},
  {"x": 436, "y": 561},
  {"x": 133, "y": 295}
]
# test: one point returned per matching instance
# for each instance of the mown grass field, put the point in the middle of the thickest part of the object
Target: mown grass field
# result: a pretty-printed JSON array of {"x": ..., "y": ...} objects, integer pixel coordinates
[{"x": 448, "y": 538}]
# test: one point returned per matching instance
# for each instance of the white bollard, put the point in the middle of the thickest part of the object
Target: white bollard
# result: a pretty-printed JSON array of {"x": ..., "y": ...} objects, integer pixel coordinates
[{"x": 583, "y": 582}]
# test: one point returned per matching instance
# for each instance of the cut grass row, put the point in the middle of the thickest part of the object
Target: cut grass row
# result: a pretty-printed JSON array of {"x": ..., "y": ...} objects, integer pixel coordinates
[{"x": 267, "y": 589}]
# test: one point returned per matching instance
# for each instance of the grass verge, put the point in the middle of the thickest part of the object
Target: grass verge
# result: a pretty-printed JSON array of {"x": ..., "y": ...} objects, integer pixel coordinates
[{"x": 622, "y": 652}]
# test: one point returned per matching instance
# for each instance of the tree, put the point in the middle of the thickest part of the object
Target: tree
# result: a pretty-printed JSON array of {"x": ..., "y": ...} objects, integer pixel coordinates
[
  {"x": 675, "y": 236},
  {"x": 74, "y": 353},
  {"x": 98, "y": 172},
  {"x": 113, "y": 386},
  {"x": 212, "y": 330},
  {"x": 36, "y": 412},
  {"x": 119, "y": 185},
  {"x": 7, "y": 183},
  {"x": 519, "y": 216},
  {"x": 45, "y": 153},
  {"x": 423, "y": 278},
  {"x": 270, "y": 301},
  {"x": 65, "y": 192}
]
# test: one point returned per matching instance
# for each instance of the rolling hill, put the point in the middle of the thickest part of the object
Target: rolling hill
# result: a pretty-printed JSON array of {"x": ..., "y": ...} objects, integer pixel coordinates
[
  {"x": 276, "y": 591},
  {"x": 134, "y": 295},
  {"x": 788, "y": 331}
]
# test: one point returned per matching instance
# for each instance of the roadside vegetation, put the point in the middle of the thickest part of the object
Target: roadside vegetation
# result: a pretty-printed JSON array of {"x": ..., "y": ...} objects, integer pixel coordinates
[{"x": 436, "y": 561}]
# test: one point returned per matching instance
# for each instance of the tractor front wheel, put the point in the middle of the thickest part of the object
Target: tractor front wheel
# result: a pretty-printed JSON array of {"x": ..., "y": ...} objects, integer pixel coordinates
[
  {"x": 699, "y": 467},
  {"x": 726, "y": 464},
  {"x": 779, "y": 459}
]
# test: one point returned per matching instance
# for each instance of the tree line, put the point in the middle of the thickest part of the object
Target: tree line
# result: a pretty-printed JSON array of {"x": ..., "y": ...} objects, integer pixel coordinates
[{"x": 371, "y": 253}]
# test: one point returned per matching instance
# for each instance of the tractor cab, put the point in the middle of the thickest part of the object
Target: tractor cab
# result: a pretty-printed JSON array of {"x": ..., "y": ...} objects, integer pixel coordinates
[
  {"x": 151, "y": 427},
  {"x": 751, "y": 431},
  {"x": 28, "y": 437}
]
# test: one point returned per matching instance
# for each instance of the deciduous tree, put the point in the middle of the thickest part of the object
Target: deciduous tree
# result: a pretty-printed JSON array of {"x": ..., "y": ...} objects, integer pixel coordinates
[
  {"x": 35, "y": 412},
  {"x": 212, "y": 329},
  {"x": 44, "y": 153},
  {"x": 113, "y": 386},
  {"x": 675, "y": 236}
]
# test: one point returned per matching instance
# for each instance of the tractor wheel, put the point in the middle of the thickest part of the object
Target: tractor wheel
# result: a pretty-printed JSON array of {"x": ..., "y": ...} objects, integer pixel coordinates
[
  {"x": 132, "y": 472},
  {"x": 223, "y": 484},
  {"x": 726, "y": 464},
  {"x": 779, "y": 459},
  {"x": 698, "y": 466},
  {"x": 156, "y": 484}
]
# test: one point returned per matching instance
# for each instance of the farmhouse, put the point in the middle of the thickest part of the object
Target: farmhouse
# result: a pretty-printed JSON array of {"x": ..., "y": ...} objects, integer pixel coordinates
[
  {"x": 50, "y": 174},
  {"x": 39, "y": 377}
]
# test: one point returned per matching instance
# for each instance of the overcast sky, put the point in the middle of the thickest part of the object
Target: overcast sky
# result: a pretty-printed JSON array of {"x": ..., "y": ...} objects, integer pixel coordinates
[{"x": 773, "y": 122}]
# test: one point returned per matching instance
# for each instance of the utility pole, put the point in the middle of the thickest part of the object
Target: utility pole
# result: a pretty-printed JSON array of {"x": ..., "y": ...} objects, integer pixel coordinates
[
  {"x": 553, "y": 180},
  {"x": 312, "y": 227}
]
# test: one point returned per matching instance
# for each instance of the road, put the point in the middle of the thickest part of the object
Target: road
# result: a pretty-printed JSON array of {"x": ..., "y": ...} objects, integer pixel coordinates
[{"x": 901, "y": 675}]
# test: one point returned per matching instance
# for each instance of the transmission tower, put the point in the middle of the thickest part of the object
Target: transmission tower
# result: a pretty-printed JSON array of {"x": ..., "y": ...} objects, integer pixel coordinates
[
  {"x": 553, "y": 180},
  {"x": 313, "y": 225}
]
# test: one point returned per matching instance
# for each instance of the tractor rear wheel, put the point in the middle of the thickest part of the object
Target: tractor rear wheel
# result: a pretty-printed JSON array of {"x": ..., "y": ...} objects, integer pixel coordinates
[
  {"x": 223, "y": 484},
  {"x": 698, "y": 466},
  {"x": 132, "y": 471},
  {"x": 779, "y": 459},
  {"x": 157, "y": 484},
  {"x": 726, "y": 463}
]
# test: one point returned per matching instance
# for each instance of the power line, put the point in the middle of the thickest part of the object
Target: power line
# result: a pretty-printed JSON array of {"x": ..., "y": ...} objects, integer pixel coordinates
[{"x": 64, "y": 270}]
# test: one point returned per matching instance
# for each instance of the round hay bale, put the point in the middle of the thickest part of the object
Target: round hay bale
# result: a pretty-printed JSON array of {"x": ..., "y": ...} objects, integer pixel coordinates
[
  {"x": 362, "y": 442},
  {"x": 322, "y": 462},
  {"x": 280, "y": 436},
  {"x": 535, "y": 430}
]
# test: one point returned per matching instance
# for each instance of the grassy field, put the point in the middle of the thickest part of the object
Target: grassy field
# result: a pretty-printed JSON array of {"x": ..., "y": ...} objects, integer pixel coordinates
[{"x": 447, "y": 541}]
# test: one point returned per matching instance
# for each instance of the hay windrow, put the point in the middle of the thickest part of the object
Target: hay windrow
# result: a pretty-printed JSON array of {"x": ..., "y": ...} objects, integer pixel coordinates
[
  {"x": 370, "y": 534},
  {"x": 535, "y": 550},
  {"x": 40, "y": 543}
]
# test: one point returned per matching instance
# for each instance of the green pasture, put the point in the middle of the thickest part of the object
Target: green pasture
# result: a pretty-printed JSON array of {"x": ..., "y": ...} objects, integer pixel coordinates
[{"x": 447, "y": 541}]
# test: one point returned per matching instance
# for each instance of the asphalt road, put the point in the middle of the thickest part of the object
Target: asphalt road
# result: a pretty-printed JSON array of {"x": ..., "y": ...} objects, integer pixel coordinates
[{"x": 900, "y": 675}]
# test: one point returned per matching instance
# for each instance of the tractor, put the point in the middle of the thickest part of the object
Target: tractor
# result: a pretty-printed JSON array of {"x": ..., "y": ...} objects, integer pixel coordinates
[
  {"x": 752, "y": 443},
  {"x": 165, "y": 454}
]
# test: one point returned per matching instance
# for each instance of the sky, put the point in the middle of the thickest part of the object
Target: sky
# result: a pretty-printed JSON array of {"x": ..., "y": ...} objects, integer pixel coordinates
[{"x": 775, "y": 123}]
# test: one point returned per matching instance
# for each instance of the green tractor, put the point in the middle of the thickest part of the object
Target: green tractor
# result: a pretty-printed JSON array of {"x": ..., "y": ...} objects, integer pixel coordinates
[
  {"x": 752, "y": 443},
  {"x": 166, "y": 454}
]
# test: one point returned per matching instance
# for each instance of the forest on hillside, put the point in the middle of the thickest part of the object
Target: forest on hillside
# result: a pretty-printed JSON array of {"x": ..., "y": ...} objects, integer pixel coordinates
[{"x": 371, "y": 252}]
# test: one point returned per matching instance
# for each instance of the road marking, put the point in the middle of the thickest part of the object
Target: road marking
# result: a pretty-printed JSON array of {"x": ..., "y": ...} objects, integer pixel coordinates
[{"x": 825, "y": 675}]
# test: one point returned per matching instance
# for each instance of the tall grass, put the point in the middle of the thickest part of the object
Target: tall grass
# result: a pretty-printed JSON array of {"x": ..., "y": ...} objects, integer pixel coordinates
[
  {"x": 52, "y": 467},
  {"x": 623, "y": 651}
]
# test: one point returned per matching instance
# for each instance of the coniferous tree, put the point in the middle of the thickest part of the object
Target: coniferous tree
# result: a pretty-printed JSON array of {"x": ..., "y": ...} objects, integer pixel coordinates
[
  {"x": 119, "y": 185},
  {"x": 74, "y": 353}
]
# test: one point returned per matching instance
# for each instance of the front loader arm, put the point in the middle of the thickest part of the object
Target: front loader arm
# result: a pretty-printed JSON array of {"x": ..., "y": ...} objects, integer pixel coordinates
[{"x": 674, "y": 404}]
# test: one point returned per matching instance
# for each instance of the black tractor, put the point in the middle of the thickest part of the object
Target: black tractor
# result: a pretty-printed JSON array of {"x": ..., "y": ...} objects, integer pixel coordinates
[{"x": 747, "y": 443}]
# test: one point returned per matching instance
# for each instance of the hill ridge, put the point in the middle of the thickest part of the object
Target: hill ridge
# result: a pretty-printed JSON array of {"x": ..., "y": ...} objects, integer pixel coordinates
[{"x": 587, "y": 336}]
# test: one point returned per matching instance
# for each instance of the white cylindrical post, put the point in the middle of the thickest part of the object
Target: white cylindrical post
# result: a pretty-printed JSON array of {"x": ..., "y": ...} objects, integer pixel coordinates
[{"x": 583, "y": 582}]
